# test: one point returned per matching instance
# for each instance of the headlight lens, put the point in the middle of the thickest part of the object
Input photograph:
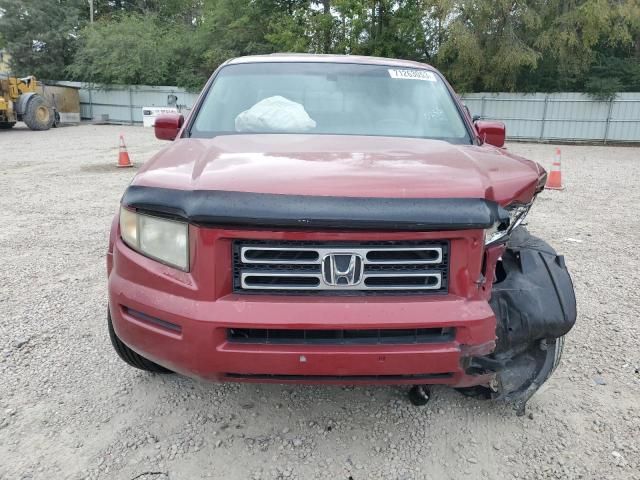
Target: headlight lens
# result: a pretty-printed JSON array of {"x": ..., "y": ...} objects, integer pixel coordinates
[
  {"x": 499, "y": 231},
  {"x": 159, "y": 238}
]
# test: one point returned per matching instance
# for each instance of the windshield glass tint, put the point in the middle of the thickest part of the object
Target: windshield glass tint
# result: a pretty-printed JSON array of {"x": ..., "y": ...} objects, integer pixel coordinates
[{"x": 329, "y": 98}]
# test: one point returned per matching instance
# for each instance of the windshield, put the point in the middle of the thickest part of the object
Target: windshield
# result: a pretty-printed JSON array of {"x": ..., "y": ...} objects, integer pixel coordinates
[{"x": 330, "y": 99}]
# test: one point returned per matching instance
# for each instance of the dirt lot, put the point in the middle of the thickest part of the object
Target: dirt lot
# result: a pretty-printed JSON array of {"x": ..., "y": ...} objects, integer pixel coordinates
[{"x": 69, "y": 408}]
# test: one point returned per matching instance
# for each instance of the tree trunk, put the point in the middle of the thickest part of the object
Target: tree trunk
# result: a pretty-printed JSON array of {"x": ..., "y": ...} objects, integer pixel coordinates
[
  {"x": 326, "y": 10},
  {"x": 381, "y": 13}
]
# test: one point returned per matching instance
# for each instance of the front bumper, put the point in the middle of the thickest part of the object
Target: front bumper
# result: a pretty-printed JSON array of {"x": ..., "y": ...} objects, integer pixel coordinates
[{"x": 165, "y": 316}]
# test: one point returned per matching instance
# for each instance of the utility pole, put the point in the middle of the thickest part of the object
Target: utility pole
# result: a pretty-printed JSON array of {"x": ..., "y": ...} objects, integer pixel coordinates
[{"x": 90, "y": 11}]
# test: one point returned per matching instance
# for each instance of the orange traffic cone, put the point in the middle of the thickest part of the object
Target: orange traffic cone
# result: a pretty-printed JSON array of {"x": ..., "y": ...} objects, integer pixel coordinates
[
  {"x": 123, "y": 156},
  {"x": 554, "y": 181}
]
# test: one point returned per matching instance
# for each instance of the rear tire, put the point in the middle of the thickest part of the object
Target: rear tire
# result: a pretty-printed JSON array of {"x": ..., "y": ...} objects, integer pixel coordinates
[
  {"x": 129, "y": 356},
  {"x": 38, "y": 115}
]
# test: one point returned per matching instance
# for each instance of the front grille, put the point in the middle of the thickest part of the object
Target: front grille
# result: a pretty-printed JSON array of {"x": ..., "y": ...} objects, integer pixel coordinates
[
  {"x": 400, "y": 268},
  {"x": 340, "y": 337}
]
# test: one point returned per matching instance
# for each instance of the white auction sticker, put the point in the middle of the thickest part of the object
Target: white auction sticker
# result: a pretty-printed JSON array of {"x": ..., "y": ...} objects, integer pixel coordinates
[{"x": 410, "y": 74}]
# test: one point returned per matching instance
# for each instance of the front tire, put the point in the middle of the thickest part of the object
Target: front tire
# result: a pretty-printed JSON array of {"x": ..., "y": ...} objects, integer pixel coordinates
[
  {"x": 129, "y": 356},
  {"x": 38, "y": 115}
]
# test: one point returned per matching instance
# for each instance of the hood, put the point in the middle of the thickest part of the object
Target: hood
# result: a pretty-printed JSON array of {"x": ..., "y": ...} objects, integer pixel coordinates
[{"x": 341, "y": 166}]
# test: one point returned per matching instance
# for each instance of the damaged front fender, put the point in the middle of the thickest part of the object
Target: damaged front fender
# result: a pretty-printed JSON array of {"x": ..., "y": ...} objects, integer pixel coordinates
[
  {"x": 533, "y": 296},
  {"x": 535, "y": 306}
]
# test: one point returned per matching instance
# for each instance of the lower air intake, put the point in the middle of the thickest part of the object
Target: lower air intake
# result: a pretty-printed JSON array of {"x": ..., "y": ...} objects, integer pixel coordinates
[
  {"x": 338, "y": 378},
  {"x": 340, "y": 337}
]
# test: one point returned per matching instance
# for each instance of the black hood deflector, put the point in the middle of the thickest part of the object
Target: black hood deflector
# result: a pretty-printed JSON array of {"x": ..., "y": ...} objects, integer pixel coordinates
[{"x": 263, "y": 210}]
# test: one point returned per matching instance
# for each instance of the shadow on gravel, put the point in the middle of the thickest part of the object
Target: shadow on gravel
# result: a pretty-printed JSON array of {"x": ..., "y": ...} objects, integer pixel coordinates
[
  {"x": 6, "y": 166},
  {"x": 104, "y": 168}
]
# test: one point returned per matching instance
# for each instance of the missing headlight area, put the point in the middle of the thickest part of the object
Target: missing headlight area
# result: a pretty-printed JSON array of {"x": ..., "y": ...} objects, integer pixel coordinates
[{"x": 501, "y": 230}]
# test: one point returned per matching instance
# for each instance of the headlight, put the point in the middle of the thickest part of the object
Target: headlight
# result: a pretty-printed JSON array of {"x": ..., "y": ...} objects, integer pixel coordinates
[
  {"x": 159, "y": 238},
  {"x": 500, "y": 231}
]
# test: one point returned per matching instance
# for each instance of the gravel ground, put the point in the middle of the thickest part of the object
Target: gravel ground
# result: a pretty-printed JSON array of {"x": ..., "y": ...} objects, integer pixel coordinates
[{"x": 69, "y": 408}]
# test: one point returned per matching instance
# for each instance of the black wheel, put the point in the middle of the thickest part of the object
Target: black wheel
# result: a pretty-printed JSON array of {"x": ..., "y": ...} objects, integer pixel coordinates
[
  {"x": 419, "y": 395},
  {"x": 38, "y": 115},
  {"x": 131, "y": 357},
  {"x": 6, "y": 125}
]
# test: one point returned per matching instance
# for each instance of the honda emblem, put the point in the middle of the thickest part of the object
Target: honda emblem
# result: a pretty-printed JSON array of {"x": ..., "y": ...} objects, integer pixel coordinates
[{"x": 342, "y": 269}]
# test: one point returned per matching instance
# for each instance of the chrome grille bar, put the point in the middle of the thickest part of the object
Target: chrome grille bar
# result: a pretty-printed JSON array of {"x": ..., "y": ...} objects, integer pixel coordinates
[
  {"x": 281, "y": 284},
  {"x": 257, "y": 255},
  {"x": 249, "y": 280},
  {"x": 396, "y": 256},
  {"x": 431, "y": 281}
]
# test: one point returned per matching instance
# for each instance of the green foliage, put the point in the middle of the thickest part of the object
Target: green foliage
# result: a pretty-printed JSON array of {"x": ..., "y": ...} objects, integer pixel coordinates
[
  {"x": 131, "y": 49},
  {"x": 490, "y": 45},
  {"x": 610, "y": 74},
  {"x": 487, "y": 45},
  {"x": 40, "y": 35}
]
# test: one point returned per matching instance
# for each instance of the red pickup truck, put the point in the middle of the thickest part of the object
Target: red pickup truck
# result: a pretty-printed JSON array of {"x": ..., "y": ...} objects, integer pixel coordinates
[{"x": 337, "y": 219}]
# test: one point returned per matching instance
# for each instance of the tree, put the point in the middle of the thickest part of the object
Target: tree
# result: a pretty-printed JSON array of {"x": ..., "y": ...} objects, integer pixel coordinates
[
  {"x": 491, "y": 45},
  {"x": 40, "y": 35},
  {"x": 587, "y": 45},
  {"x": 488, "y": 44},
  {"x": 132, "y": 49}
]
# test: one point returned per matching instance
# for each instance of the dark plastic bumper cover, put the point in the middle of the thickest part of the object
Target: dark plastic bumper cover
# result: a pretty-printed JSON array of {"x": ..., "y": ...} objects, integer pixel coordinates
[{"x": 535, "y": 300}]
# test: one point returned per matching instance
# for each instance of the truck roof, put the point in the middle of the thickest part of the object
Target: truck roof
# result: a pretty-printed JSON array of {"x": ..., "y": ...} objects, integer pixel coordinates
[{"x": 317, "y": 58}]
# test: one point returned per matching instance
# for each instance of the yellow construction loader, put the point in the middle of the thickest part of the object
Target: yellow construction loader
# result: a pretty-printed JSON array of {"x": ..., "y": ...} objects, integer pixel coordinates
[{"x": 19, "y": 102}]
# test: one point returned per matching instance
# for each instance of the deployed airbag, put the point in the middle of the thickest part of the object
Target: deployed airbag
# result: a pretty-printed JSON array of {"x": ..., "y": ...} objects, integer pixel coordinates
[{"x": 275, "y": 114}]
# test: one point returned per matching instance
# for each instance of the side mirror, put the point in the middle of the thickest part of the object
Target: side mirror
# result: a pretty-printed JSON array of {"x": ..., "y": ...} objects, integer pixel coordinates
[
  {"x": 168, "y": 125},
  {"x": 491, "y": 132}
]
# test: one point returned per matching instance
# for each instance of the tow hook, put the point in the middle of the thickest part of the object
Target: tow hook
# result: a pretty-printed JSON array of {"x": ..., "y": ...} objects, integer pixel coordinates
[{"x": 419, "y": 395}]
